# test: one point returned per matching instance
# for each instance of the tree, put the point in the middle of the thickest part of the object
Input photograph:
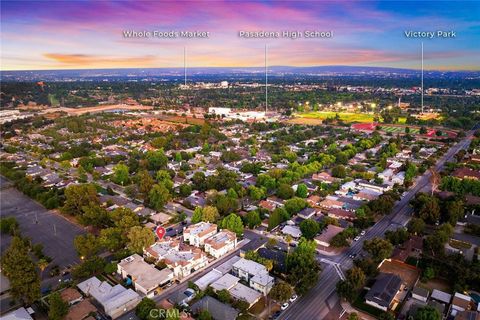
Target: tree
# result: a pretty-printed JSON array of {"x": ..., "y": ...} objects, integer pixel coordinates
[
  {"x": 20, "y": 270},
  {"x": 185, "y": 190},
  {"x": 302, "y": 191},
  {"x": 144, "y": 307},
  {"x": 302, "y": 266},
  {"x": 210, "y": 214},
  {"x": 86, "y": 245},
  {"x": 426, "y": 207},
  {"x": 339, "y": 171},
  {"x": 256, "y": 193},
  {"x": 454, "y": 210},
  {"x": 156, "y": 160},
  {"x": 78, "y": 196},
  {"x": 281, "y": 292},
  {"x": 204, "y": 315},
  {"x": 144, "y": 182},
  {"x": 346, "y": 291},
  {"x": 253, "y": 219},
  {"x": 94, "y": 215},
  {"x": 398, "y": 236},
  {"x": 285, "y": 191},
  {"x": 295, "y": 205},
  {"x": 140, "y": 238},
  {"x": 58, "y": 308},
  {"x": 234, "y": 223},
  {"x": 159, "y": 196},
  {"x": 8, "y": 225},
  {"x": 225, "y": 205},
  {"x": 416, "y": 226},
  {"x": 42, "y": 265},
  {"x": 276, "y": 217},
  {"x": 378, "y": 248},
  {"x": 163, "y": 177},
  {"x": 197, "y": 215},
  {"x": 121, "y": 174},
  {"x": 309, "y": 228},
  {"x": 224, "y": 296},
  {"x": 356, "y": 277},
  {"x": 427, "y": 313}
]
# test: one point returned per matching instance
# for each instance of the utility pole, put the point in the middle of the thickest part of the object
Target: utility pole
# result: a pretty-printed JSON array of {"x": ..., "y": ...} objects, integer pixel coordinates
[
  {"x": 422, "y": 76},
  {"x": 185, "y": 65},
  {"x": 266, "y": 81}
]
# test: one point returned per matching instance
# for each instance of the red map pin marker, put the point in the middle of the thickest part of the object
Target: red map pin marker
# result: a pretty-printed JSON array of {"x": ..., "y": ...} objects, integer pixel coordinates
[{"x": 160, "y": 232}]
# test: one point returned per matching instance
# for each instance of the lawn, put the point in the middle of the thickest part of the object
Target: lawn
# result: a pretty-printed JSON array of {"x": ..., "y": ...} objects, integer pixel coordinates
[
  {"x": 344, "y": 116},
  {"x": 392, "y": 129}
]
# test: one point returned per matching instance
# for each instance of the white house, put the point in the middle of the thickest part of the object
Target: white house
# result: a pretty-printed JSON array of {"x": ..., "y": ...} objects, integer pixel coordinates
[
  {"x": 196, "y": 234},
  {"x": 254, "y": 273},
  {"x": 221, "y": 243}
]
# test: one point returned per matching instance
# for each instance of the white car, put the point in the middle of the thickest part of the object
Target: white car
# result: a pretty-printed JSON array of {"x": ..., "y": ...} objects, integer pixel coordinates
[
  {"x": 293, "y": 298},
  {"x": 284, "y": 306},
  {"x": 362, "y": 233},
  {"x": 356, "y": 238}
]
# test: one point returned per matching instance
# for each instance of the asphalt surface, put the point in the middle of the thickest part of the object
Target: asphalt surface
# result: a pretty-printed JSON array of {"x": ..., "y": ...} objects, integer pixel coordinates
[
  {"x": 41, "y": 225},
  {"x": 318, "y": 302}
]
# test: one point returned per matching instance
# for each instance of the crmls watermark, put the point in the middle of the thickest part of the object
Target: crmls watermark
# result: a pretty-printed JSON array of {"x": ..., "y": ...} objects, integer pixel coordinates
[{"x": 168, "y": 314}]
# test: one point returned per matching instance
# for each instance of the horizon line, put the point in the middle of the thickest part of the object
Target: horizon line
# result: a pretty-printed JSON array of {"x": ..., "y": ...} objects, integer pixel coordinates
[{"x": 244, "y": 67}]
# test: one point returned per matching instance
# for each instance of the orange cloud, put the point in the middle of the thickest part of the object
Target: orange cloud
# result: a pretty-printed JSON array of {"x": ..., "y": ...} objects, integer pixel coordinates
[{"x": 95, "y": 61}]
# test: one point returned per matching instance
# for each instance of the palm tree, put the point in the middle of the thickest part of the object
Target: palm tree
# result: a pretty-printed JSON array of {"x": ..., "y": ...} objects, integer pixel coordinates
[
  {"x": 42, "y": 265},
  {"x": 288, "y": 239}
]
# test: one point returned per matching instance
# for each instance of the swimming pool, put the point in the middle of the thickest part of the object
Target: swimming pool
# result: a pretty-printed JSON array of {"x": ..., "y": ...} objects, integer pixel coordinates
[{"x": 475, "y": 296}]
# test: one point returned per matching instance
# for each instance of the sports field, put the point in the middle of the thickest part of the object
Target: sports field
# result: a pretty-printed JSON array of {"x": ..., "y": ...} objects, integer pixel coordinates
[
  {"x": 399, "y": 130},
  {"x": 344, "y": 116}
]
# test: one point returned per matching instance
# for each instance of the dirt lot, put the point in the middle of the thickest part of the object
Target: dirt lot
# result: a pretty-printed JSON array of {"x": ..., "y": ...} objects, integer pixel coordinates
[
  {"x": 409, "y": 274},
  {"x": 438, "y": 284}
]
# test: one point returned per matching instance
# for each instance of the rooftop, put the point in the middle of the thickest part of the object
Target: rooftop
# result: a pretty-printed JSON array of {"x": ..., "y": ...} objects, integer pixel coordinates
[{"x": 384, "y": 290}]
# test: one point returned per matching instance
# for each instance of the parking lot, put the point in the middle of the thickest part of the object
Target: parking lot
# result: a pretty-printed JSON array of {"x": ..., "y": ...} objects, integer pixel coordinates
[{"x": 42, "y": 226}]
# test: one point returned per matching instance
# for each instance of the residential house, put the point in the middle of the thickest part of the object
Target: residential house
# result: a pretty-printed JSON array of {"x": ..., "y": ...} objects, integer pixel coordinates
[
  {"x": 181, "y": 260},
  {"x": 420, "y": 293},
  {"x": 221, "y": 243},
  {"x": 461, "y": 302},
  {"x": 323, "y": 177},
  {"x": 115, "y": 300},
  {"x": 217, "y": 309},
  {"x": 71, "y": 296},
  {"x": 383, "y": 292},
  {"x": 253, "y": 273},
  {"x": 196, "y": 234},
  {"x": 341, "y": 214},
  {"x": 327, "y": 235},
  {"x": 145, "y": 277},
  {"x": 466, "y": 173},
  {"x": 293, "y": 231}
]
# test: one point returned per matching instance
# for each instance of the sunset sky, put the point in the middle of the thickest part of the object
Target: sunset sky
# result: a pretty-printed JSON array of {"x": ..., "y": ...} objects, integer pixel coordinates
[{"x": 41, "y": 35}]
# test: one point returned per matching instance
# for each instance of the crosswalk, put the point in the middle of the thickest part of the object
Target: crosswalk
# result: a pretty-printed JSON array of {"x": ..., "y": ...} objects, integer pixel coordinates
[{"x": 336, "y": 266}]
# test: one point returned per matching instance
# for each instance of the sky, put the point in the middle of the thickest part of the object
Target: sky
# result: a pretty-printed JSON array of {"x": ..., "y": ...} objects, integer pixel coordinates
[{"x": 49, "y": 35}]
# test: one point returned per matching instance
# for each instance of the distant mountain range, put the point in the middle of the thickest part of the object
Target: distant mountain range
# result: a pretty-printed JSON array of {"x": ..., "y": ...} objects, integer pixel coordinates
[{"x": 169, "y": 73}]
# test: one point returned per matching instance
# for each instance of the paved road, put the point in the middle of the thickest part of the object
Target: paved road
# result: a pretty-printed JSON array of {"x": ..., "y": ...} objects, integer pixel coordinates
[
  {"x": 42, "y": 226},
  {"x": 322, "y": 298}
]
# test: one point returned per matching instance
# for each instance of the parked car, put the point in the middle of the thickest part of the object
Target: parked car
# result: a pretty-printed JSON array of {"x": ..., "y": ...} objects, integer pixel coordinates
[
  {"x": 284, "y": 306},
  {"x": 293, "y": 298},
  {"x": 356, "y": 238},
  {"x": 275, "y": 315},
  {"x": 363, "y": 233}
]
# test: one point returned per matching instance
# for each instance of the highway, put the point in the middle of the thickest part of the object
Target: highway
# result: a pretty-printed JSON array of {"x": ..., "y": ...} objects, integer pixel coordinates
[{"x": 317, "y": 303}]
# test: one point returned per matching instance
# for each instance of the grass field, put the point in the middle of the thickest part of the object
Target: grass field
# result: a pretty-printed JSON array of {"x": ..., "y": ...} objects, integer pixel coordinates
[
  {"x": 399, "y": 130},
  {"x": 344, "y": 116}
]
